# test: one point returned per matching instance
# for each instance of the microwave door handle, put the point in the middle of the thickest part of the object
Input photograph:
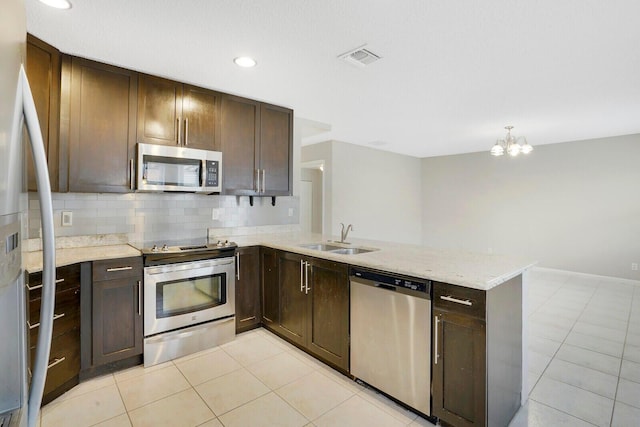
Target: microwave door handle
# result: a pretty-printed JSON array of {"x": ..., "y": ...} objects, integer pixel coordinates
[{"x": 203, "y": 173}]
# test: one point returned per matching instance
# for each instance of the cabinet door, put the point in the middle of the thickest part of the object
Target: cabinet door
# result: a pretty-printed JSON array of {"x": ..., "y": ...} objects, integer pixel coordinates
[
  {"x": 329, "y": 315},
  {"x": 239, "y": 137},
  {"x": 200, "y": 108},
  {"x": 102, "y": 126},
  {"x": 159, "y": 111},
  {"x": 276, "y": 139},
  {"x": 247, "y": 289},
  {"x": 459, "y": 369},
  {"x": 43, "y": 70},
  {"x": 117, "y": 319},
  {"x": 270, "y": 288},
  {"x": 293, "y": 298}
]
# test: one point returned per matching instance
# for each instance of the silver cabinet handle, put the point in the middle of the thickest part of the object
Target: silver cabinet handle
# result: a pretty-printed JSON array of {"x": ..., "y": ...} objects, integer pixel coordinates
[
  {"x": 33, "y": 288},
  {"x": 257, "y": 180},
  {"x": 456, "y": 300},
  {"x": 264, "y": 180},
  {"x": 35, "y": 325},
  {"x": 186, "y": 131},
  {"x": 131, "y": 174},
  {"x": 111, "y": 269},
  {"x": 139, "y": 298},
  {"x": 248, "y": 319},
  {"x": 306, "y": 278},
  {"x": 178, "y": 130},
  {"x": 55, "y": 362},
  {"x": 435, "y": 343},
  {"x": 237, "y": 266},
  {"x": 301, "y": 276}
]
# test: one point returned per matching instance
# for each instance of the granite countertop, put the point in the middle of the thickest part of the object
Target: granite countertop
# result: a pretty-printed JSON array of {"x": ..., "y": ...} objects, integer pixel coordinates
[
  {"x": 472, "y": 270},
  {"x": 32, "y": 261}
]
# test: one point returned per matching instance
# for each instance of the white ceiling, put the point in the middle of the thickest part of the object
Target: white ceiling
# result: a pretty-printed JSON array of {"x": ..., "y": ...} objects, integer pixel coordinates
[{"x": 453, "y": 73}]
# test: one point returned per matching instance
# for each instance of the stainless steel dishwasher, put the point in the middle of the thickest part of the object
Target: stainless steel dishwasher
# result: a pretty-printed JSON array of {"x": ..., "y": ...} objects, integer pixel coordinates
[{"x": 391, "y": 335}]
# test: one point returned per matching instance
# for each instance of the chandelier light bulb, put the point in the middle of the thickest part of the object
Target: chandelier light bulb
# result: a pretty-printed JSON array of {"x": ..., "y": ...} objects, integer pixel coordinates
[{"x": 497, "y": 149}]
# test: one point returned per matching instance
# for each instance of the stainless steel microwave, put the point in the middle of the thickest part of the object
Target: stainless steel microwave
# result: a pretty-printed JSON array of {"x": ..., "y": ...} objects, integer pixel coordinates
[{"x": 169, "y": 168}]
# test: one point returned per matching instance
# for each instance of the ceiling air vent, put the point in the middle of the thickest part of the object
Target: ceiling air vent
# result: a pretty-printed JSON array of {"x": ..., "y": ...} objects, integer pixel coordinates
[{"x": 360, "y": 56}]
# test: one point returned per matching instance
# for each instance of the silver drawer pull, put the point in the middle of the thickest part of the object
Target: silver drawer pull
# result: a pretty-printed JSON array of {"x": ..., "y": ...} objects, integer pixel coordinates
[
  {"x": 109, "y": 270},
  {"x": 35, "y": 325},
  {"x": 56, "y": 362},
  {"x": 435, "y": 342},
  {"x": 456, "y": 300},
  {"x": 248, "y": 319},
  {"x": 33, "y": 288}
]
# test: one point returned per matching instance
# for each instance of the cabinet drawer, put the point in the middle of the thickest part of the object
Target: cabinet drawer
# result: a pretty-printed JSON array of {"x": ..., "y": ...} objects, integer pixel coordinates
[
  {"x": 118, "y": 268},
  {"x": 64, "y": 360},
  {"x": 459, "y": 299},
  {"x": 66, "y": 314},
  {"x": 67, "y": 277}
]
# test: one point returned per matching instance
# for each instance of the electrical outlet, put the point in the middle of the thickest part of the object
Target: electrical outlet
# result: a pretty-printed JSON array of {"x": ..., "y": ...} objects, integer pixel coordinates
[
  {"x": 634, "y": 266},
  {"x": 215, "y": 214},
  {"x": 290, "y": 211},
  {"x": 67, "y": 218}
]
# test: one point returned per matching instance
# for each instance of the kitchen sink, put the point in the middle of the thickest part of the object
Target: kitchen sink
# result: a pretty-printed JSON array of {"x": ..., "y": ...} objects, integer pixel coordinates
[
  {"x": 351, "y": 251},
  {"x": 321, "y": 247},
  {"x": 334, "y": 249}
]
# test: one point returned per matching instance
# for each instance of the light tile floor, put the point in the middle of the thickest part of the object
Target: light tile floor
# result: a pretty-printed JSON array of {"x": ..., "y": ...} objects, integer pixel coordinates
[
  {"x": 584, "y": 351},
  {"x": 584, "y": 370}
]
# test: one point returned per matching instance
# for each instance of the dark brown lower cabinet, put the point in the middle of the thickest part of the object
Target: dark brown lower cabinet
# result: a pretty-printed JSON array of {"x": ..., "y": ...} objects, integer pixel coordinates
[
  {"x": 247, "y": 289},
  {"x": 64, "y": 358},
  {"x": 314, "y": 306},
  {"x": 477, "y": 358},
  {"x": 116, "y": 315},
  {"x": 459, "y": 373},
  {"x": 270, "y": 288}
]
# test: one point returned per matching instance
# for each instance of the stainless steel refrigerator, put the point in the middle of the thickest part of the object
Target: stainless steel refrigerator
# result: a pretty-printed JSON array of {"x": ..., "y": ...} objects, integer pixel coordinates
[{"x": 19, "y": 402}]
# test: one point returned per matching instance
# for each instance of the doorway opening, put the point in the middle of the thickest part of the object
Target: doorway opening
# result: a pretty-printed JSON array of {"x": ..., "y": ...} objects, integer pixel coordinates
[{"x": 312, "y": 197}]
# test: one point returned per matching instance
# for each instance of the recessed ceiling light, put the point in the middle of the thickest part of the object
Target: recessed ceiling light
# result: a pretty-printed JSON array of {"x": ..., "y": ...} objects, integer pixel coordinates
[
  {"x": 58, "y": 4},
  {"x": 245, "y": 61}
]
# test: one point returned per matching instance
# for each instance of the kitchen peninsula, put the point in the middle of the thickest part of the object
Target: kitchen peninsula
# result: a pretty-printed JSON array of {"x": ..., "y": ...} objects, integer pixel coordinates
[{"x": 489, "y": 329}]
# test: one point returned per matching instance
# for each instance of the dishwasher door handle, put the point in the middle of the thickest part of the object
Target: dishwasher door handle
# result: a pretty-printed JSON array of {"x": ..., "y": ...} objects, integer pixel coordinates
[{"x": 387, "y": 287}]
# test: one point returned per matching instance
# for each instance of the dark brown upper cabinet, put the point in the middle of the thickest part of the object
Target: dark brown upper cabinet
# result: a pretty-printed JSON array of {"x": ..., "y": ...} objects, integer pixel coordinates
[
  {"x": 173, "y": 113},
  {"x": 276, "y": 150},
  {"x": 256, "y": 141},
  {"x": 98, "y": 127},
  {"x": 43, "y": 71}
]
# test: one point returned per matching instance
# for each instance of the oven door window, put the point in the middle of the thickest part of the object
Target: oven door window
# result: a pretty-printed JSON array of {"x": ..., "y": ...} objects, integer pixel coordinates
[{"x": 191, "y": 294}]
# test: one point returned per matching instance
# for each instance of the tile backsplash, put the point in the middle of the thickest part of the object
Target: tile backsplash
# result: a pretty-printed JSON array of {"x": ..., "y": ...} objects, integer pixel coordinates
[{"x": 150, "y": 216}]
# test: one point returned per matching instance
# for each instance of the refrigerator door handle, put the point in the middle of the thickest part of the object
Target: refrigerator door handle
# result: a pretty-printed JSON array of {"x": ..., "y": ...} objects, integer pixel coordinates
[{"x": 48, "y": 248}]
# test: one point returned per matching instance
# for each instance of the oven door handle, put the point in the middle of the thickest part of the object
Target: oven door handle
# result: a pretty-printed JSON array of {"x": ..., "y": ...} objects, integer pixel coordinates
[{"x": 172, "y": 268}]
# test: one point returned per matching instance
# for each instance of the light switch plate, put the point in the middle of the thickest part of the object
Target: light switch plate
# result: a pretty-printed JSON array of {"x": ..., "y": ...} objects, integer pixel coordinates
[{"x": 67, "y": 218}]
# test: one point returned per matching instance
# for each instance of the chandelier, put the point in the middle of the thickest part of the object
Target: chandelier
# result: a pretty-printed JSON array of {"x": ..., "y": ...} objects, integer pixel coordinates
[{"x": 511, "y": 145}]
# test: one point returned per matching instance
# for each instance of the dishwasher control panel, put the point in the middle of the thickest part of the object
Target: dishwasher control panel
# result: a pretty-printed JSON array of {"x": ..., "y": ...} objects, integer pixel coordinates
[{"x": 418, "y": 285}]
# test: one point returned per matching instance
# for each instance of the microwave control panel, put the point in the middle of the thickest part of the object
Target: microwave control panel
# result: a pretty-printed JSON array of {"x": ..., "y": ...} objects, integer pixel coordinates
[{"x": 212, "y": 173}]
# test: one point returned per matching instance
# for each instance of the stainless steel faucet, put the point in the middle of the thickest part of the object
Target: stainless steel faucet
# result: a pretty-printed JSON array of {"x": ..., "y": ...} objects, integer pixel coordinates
[{"x": 344, "y": 233}]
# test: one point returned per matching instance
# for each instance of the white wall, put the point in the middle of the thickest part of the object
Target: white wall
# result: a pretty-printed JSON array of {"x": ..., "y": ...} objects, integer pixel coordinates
[
  {"x": 376, "y": 191},
  {"x": 572, "y": 206}
]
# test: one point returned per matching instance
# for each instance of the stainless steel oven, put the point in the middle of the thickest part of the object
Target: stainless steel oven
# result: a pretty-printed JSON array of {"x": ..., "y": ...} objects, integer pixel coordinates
[{"x": 189, "y": 300}]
